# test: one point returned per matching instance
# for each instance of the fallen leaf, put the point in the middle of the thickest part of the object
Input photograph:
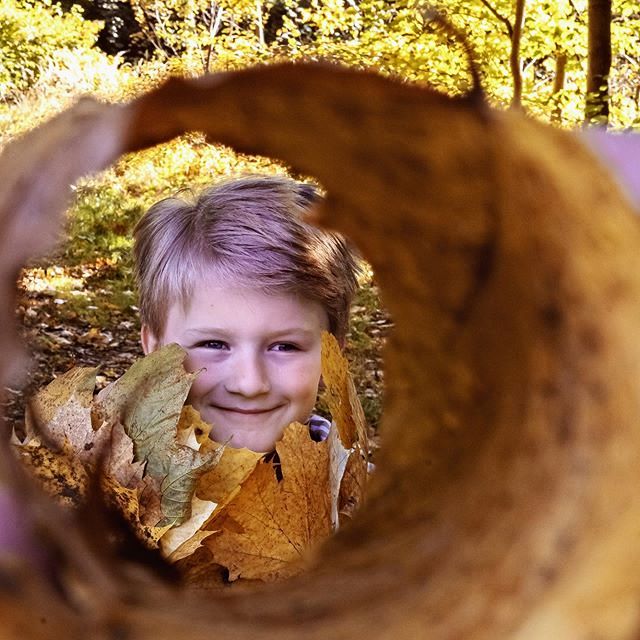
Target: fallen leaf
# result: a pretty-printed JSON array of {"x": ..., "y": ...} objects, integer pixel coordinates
[
  {"x": 200, "y": 573},
  {"x": 118, "y": 461},
  {"x": 181, "y": 541},
  {"x": 62, "y": 411},
  {"x": 353, "y": 486},
  {"x": 148, "y": 400},
  {"x": 61, "y": 475},
  {"x": 183, "y": 470},
  {"x": 192, "y": 430},
  {"x": 349, "y": 452},
  {"x": 232, "y": 470},
  {"x": 126, "y": 501},
  {"x": 265, "y": 531},
  {"x": 338, "y": 459},
  {"x": 341, "y": 396}
]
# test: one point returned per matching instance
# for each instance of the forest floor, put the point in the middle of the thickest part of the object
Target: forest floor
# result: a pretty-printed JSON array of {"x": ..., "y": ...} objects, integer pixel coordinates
[{"x": 85, "y": 315}]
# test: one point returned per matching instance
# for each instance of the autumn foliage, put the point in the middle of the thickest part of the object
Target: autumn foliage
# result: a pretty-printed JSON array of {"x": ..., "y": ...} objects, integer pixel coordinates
[
  {"x": 504, "y": 499},
  {"x": 182, "y": 492}
]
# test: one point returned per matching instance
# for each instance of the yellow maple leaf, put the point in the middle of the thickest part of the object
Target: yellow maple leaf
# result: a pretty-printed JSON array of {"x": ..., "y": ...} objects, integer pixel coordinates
[
  {"x": 225, "y": 478},
  {"x": 265, "y": 531}
]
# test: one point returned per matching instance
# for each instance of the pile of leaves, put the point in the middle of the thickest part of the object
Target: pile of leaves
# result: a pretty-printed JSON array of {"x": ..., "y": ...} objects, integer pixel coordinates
[{"x": 219, "y": 513}]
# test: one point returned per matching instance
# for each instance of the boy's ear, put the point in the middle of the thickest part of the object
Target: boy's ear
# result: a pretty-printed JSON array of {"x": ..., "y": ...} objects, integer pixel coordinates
[{"x": 148, "y": 340}]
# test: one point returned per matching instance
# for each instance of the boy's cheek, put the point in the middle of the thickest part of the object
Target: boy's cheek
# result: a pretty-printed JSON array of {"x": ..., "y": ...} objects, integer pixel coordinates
[{"x": 199, "y": 387}]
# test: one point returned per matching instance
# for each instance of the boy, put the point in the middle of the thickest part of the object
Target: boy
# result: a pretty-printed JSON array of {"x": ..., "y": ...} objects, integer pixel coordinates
[{"x": 246, "y": 287}]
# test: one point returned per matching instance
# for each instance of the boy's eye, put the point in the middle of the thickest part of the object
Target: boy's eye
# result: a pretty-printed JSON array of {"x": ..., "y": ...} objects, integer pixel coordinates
[
  {"x": 284, "y": 346},
  {"x": 212, "y": 344}
]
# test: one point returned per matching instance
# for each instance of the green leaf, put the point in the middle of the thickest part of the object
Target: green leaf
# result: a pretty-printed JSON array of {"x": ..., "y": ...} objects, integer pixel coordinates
[{"x": 147, "y": 401}]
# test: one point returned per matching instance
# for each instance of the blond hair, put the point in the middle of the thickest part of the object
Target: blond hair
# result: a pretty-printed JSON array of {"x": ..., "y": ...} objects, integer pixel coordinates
[{"x": 250, "y": 231}]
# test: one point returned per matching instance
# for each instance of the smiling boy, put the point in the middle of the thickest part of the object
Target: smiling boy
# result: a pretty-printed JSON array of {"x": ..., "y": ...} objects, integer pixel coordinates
[{"x": 246, "y": 287}]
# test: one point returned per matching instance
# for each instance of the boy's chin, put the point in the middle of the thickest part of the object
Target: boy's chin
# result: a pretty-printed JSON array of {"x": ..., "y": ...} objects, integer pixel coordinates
[{"x": 258, "y": 442}]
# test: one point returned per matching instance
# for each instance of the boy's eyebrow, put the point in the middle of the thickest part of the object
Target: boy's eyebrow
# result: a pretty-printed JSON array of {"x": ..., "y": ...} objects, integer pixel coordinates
[
  {"x": 208, "y": 331},
  {"x": 205, "y": 331},
  {"x": 298, "y": 331}
]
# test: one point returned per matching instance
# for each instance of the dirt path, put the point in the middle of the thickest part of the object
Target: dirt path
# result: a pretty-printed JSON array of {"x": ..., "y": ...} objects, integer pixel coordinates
[{"x": 59, "y": 335}]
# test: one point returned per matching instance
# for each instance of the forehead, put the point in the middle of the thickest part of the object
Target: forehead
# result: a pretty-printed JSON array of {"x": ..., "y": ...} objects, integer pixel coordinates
[{"x": 225, "y": 303}]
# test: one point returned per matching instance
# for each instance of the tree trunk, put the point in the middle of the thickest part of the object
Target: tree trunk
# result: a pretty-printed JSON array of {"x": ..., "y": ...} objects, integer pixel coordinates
[
  {"x": 597, "y": 103},
  {"x": 516, "y": 69},
  {"x": 558, "y": 86}
]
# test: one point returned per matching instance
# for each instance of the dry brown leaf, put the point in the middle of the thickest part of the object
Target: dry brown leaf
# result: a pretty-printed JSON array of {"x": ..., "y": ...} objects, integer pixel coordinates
[
  {"x": 265, "y": 531},
  {"x": 232, "y": 470},
  {"x": 183, "y": 540},
  {"x": 78, "y": 383},
  {"x": 150, "y": 498},
  {"x": 338, "y": 460},
  {"x": 353, "y": 485},
  {"x": 162, "y": 485},
  {"x": 233, "y": 467},
  {"x": 118, "y": 461},
  {"x": 349, "y": 452},
  {"x": 148, "y": 401},
  {"x": 126, "y": 502},
  {"x": 341, "y": 394},
  {"x": 62, "y": 411},
  {"x": 200, "y": 573},
  {"x": 192, "y": 429},
  {"x": 59, "y": 473},
  {"x": 64, "y": 477}
]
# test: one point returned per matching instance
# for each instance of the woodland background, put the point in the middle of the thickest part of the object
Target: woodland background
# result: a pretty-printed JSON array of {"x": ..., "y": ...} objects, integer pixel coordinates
[{"x": 567, "y": 62}]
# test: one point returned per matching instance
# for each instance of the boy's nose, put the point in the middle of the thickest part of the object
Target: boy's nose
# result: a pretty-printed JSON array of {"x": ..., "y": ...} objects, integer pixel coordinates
[{"x": 248, "y": 376}]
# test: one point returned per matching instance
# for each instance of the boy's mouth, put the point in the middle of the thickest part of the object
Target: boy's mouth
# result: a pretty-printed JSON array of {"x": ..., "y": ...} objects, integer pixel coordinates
[{"x": 242, "y": 411}]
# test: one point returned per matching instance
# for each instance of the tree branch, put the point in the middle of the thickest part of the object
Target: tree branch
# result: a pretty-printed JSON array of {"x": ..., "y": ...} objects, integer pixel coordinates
[
  {"x": 505, "y": 21},
  {"x": 259, "y": 24},
  {"x": 214, "y": 27},
  {"x": 477, "y": 89},
  {"x": 516, "y": 38}
]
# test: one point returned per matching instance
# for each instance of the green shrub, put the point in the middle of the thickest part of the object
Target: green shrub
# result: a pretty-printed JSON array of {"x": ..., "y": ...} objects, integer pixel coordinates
[{"x": 31, "y": 31}]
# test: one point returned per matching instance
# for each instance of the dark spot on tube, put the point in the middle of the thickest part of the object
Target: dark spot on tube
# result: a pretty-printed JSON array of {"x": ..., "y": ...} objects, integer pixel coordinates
[
  {"x": 548, "y": 574},
  {"x": 552, "y": 316},
  {"x": 9, "y": 583},
  {"x": 549, "y": 388},
  {"x": 118, "y": 631}
]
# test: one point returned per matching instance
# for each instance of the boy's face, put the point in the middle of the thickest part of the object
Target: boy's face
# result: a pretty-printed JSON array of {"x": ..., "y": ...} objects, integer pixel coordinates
[{"x": 260, "y": 356}]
